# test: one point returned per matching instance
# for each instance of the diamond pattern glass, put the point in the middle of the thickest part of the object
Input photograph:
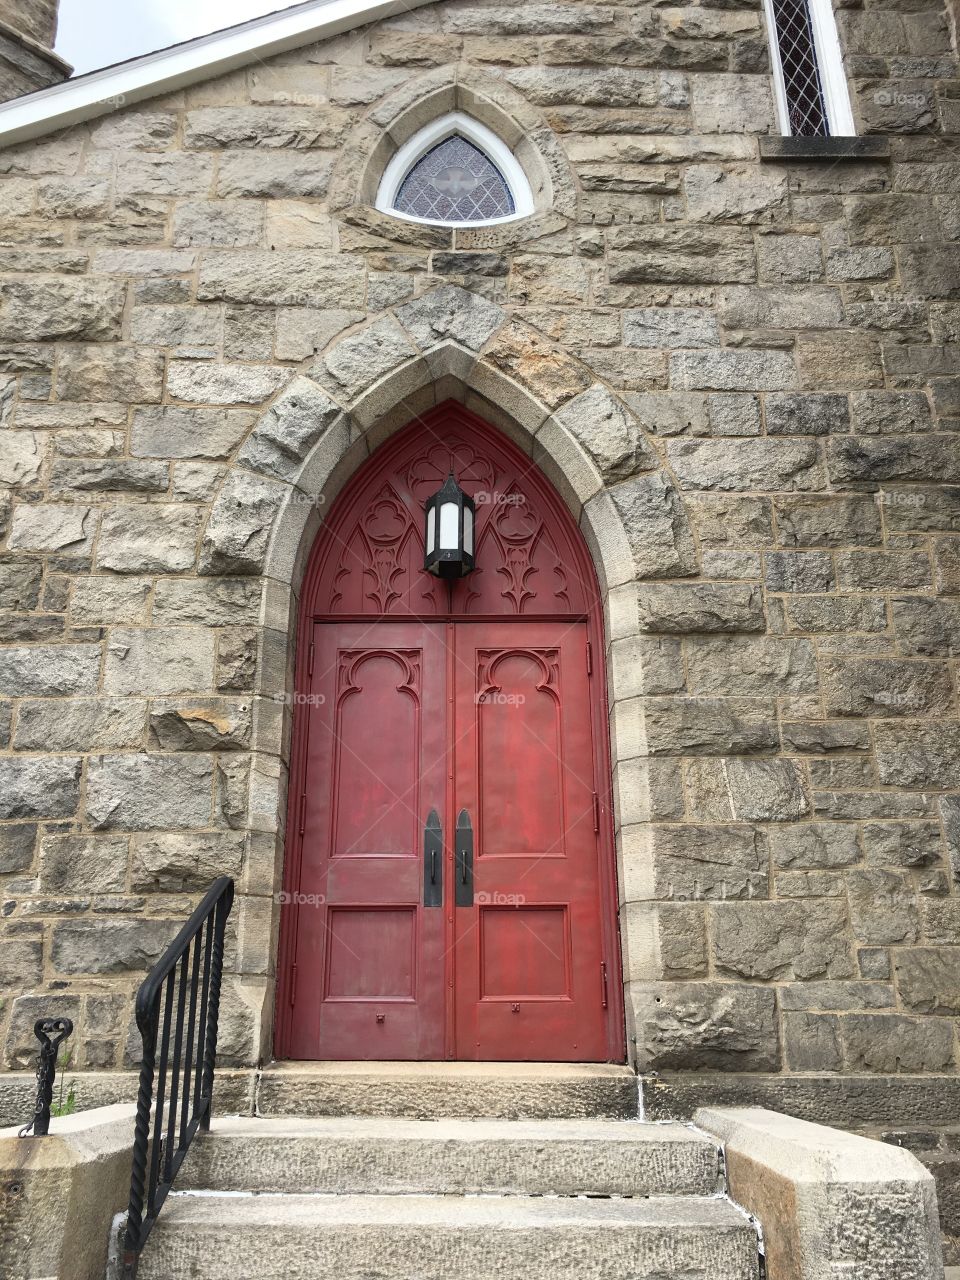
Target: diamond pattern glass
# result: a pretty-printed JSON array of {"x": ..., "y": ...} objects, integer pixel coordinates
[
  {"x": 798, "y": 58},
  {"x": 455, "y": 182}
]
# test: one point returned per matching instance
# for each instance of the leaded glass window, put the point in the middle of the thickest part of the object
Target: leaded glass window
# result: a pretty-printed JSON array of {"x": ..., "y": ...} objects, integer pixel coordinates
[
  {"x": 801, "y": 78},
  {"x": 455, "y": 182},
  {"x": 813, "y": 98}
]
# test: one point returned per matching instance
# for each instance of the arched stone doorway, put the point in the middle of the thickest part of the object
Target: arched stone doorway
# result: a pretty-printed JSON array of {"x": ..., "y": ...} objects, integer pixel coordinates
[{"x": 480, "y": 705}]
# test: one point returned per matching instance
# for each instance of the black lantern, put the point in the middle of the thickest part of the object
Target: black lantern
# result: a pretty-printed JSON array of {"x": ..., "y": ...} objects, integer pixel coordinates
[{"x": 448, "y": 540}]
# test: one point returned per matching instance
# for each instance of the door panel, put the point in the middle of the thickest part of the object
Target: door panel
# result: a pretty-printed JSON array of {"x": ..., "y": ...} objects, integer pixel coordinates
[
  {"x": 369, "y": 979},
  {"x": 529, "y": 984}
]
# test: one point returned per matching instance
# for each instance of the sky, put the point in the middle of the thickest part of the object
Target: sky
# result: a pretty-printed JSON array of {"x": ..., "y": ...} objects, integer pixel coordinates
[{"x": 94, "y": 33}]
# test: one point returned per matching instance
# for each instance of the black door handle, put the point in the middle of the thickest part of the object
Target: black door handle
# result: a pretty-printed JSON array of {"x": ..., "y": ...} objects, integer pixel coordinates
[
  {"x": 433, "y": 861},
  {"x": 464, "y": 860}
]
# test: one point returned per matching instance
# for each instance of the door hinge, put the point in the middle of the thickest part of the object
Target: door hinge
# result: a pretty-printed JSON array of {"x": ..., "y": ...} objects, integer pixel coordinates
[
  {"x": 603, "y": 982},
  {"x": 303, "y": 814},
  {"x": 589, "y": 658},
  {"x": 310, "y": 659},
  {"x": 596, "y": 812},
  {"x": 293, "y": 985}
]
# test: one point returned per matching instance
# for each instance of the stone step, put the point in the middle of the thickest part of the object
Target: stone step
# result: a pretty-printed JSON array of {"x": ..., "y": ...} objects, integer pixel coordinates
[
  {"x": 444, "y": 1090},
  {"x": 505, "y": 1157},
  {"x": 212, "y": 1237}
]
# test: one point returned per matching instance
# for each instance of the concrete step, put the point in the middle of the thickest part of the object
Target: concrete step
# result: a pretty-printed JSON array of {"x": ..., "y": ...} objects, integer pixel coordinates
[
  {"x": 210, "y": 1237},
  {"x": 507, "y": 1157},
  {"x": 443, "y": 1090}
]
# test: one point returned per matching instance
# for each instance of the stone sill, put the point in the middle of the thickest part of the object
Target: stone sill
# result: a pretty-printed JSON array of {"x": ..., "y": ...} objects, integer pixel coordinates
[{"x": 868, "y": 148}]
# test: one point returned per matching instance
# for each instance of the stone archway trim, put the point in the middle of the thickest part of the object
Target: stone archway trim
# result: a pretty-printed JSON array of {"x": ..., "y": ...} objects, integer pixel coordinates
[{"x": 449, "y": 343}]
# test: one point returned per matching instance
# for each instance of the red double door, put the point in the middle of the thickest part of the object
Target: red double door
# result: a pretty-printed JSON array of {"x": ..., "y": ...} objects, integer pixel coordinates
[{"x": 448, "y": 901}]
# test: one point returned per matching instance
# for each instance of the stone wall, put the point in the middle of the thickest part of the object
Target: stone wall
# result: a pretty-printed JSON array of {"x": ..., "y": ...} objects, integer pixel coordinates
[{"x": 742, "y": 373}]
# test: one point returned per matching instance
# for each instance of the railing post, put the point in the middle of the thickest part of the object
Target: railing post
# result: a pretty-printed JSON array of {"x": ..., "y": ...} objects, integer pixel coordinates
[
  {"x": 51, "y": 1032},
  {"x": 141, "y": 1142},
  {"x": 213, "y": 1007}
]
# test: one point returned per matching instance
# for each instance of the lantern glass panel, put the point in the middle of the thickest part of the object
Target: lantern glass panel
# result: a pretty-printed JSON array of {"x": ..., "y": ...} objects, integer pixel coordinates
[
  {"x": 468, "y": 529},
  {"x": 449, "y": 526},
  {"x": 431, "y": 530}
]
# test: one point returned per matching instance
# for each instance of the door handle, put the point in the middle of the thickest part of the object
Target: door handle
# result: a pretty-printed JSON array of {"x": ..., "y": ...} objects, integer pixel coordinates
[
  {"x": 433, "y": 861},
  {"x": 464, "y": 860}
]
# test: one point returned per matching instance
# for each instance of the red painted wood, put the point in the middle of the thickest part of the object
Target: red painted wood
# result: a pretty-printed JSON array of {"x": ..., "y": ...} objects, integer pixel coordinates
[
  {"x": 371, "y": 563},
  {"x": 528, "y": 953},
  {"x": 389, "y": 725},
  {"x": 369, "y": 957}
]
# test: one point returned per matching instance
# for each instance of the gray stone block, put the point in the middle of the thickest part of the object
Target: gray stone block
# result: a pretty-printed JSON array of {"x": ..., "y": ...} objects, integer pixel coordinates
[
  {"x": 726, "y": 465},
  {"x": 159, "y": 538},
  {"x": 694, "y": 862},
  {"x": 704, "y": 607},
  {"x": 783, "y": 940},
  {"x": 709, "y": 726},
  {"x": 39, "y": 787},
  {"x": 723, "y": 1026},
  {"x": 184, "y": 862},
  {"x": 239, "y": 527},
  {"x": 49, "y": 671},
  {"x": 161, "y": 660},
  {"x": 767, "y": 790},
  {"x": 147, "y": 792}
]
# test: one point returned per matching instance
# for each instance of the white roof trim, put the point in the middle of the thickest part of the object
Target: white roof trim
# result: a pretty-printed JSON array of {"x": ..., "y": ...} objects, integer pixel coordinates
[{"x": 101, "y": 92}]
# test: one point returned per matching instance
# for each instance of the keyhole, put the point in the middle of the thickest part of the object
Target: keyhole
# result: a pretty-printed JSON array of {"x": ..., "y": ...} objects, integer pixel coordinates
[{"x": 381, "y": 1017}]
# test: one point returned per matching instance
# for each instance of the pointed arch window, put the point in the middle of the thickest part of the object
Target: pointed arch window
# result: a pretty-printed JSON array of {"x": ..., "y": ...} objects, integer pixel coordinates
[{"x": 455, "y": 172}]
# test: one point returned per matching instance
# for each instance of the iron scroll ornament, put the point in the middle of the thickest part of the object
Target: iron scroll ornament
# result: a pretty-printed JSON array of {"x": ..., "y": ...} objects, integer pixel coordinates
[{"x": 51, "y": 1032}]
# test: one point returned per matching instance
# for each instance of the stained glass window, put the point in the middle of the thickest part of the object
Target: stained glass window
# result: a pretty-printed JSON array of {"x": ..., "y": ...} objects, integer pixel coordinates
[{"x": 455, "y": 182}]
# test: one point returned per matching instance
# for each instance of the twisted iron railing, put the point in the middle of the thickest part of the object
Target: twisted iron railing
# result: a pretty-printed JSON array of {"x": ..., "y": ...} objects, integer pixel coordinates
[
  {"x": 51, "y": 1032},
  {"x": 178, "y": 1002}
]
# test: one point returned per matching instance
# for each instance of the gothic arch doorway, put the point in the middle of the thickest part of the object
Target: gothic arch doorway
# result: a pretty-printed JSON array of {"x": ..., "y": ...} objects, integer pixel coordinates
[{"x": 449, "y": 885}]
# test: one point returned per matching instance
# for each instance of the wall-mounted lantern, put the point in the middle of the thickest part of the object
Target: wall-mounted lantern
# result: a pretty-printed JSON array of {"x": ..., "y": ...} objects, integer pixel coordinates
[{"x": 449, "y": 532}]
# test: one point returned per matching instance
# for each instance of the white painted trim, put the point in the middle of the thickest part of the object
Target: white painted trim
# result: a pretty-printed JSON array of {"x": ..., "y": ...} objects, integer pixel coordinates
[
  {"x": 779, "y": 86},
  {"x": 829, "y": 57},
  {"x": 101, "y": 92},
  {"x": 836, "y": 91},
  {"x": 431, "y": 136}
]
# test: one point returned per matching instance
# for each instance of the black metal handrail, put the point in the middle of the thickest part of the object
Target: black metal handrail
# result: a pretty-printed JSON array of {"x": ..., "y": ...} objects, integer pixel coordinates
[
  {"x": 51, "y": 1032},
  {"x": 185, "y": 981}
]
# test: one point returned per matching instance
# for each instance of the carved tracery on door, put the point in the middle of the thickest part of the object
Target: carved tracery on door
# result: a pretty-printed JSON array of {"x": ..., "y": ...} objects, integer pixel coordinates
[{"x": 375, "y": 559}]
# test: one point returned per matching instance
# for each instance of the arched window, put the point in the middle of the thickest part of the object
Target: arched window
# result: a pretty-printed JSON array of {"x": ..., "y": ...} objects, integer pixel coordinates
[{"x": 455, "y": 172}]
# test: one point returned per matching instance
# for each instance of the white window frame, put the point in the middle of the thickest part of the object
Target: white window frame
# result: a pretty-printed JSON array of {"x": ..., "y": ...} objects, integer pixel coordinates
[
  {"x": 415, "y": 148},
  {"x": 829, "y": 59}
]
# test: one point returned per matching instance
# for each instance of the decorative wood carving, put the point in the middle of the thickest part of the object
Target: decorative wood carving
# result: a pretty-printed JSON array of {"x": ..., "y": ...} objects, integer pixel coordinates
[
  {"x": 489, "y": 659},
  {"x": 374, "y": 560},
  {"x": 408, "y": 660}
]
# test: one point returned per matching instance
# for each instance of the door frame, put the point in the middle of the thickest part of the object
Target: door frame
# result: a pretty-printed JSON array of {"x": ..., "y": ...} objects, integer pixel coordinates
[{"x": 599, "y": 715}]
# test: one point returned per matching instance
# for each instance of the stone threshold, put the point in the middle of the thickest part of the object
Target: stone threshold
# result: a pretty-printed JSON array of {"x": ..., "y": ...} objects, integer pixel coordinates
[{"x": 418, "y": 1090}]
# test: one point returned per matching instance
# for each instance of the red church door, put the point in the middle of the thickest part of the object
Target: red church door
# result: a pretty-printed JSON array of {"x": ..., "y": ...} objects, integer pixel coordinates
[{"x": 449, "y": 888}]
